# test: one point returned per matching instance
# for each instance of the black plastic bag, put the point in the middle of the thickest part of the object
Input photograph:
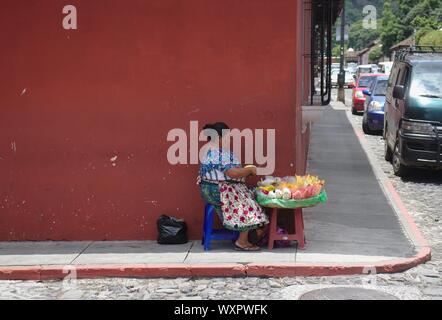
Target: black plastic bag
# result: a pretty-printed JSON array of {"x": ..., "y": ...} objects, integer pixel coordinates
[{"x": 171, "y": 230}]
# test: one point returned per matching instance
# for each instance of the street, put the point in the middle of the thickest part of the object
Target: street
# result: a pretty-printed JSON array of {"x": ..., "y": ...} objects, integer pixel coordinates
[{"x": 421, "y": 193}]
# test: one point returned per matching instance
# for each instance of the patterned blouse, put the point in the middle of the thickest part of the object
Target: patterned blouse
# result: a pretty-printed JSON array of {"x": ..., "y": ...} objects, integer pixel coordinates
[{"x": 216, "y": 163}]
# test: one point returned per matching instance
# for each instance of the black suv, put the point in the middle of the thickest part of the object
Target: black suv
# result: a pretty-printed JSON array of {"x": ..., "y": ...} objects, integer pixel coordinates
[{"x": 413, "y": 110}]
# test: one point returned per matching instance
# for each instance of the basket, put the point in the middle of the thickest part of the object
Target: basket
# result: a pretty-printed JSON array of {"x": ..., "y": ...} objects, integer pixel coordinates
[{"x": 291, "y": 204}]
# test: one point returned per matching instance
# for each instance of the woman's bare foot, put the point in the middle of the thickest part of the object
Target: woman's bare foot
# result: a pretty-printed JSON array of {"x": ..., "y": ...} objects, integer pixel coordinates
[
  {"x": 244, "y": 244},
  {"x": 246, "y": 247}
]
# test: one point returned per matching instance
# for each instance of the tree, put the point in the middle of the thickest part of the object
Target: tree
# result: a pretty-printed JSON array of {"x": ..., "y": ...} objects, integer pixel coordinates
[
  {"x": 353, "y": 9},
  {"x": 360, "y": 38},
  {"x": 336, "y": 51},
  {"x": 392, "y": 30},
  {"x": 420, "y": 17},
  {"x": 375, "y": 55},
  {"x": 424, "y": 13},
  {"x": 404, "y": 8},
  {"x": 432, "y": 38}
]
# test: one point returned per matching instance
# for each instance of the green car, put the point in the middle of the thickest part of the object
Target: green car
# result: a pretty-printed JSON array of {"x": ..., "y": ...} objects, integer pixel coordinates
[{"x": 413, "y": 110}]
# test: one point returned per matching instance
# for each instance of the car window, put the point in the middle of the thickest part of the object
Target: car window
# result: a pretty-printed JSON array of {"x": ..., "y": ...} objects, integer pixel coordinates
[
  {"x": 393, "y": 74},
  {"x": 380, "y": 88},
  {"x": 365, "y": 70},
  {"x": 426, "y": 81},
  {"x": 398, "y": 77},
  {"x": 403, "y": 77},
  {"x": 365, "y": 82}
]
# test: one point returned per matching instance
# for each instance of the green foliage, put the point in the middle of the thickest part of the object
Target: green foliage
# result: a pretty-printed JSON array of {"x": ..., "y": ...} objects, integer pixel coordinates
[
  {"x": 432, "y": 38},
  {"x": 375, "y": 55},
  {"x": 419, "y": 17},
  {"x": 397, "y": 20},
  {"x": 360, "y": 38},
  {"x": 354, "y": 8},
  {"x": 392, "y": 29},
  {"x": 336, "y": 51},
  {"x": 426, "y": 13}
]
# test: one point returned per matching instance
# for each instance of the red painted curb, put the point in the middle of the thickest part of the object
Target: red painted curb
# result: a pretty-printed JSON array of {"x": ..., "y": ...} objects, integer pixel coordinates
[
  {"x": 20, "y": 273},
  {"x": 222, "y": 270},
  {"x": 305, "y": 270},
  {"x": 208, "y": 270},
  {"x": 121, "y": 271}
]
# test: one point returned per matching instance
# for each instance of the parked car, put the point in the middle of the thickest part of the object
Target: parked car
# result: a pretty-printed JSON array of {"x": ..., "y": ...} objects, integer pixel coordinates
[
  {"x": 349, "y": 79},
  {"x": 413, "y": 112},
  {"x": 352, "y": 67},
  {"x": 385, "y": 67},
  {"x": 336, "y": 65},
  {"x": 363, "y": 69},
  {"x": 364, "y": 81},
  {"x": 375, "y": 68},
  {"x": 373, "y": 120},
  {"x": 334, "y": 77}
]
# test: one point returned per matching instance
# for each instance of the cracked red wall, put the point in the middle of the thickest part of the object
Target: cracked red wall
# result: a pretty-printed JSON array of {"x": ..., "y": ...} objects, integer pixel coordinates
[{"x": 131, "y": 72}]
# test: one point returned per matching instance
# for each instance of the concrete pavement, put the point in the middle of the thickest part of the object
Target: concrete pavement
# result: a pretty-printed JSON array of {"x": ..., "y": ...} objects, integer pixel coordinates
[
  {"x": 358, "y": 219},
  {"x": 360, "y": 228}
]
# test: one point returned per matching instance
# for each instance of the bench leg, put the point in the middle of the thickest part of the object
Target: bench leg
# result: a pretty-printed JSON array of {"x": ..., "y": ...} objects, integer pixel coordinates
[
  {"x": 299, "y": 226},
  {"x": 208, "y": 228},
  {"x": 273, "y": 227}
]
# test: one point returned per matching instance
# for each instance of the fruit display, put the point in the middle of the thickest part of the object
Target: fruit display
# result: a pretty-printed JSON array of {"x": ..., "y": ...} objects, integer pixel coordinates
[{"x": 290, "y": 188}]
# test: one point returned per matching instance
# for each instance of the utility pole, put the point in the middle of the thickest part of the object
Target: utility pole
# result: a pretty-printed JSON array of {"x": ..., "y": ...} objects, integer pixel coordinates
[{"x": 341, "y": 76}]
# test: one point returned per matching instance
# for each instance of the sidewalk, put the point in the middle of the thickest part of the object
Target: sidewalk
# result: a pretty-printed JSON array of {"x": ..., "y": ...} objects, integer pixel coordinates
[{"x": 360, "y": 228}]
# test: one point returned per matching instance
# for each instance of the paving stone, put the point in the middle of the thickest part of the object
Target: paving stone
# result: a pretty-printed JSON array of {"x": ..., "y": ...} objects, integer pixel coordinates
[
  {"x": 275, "y": 284},
  {"x": 421, "y": 194},
  {"x": 433, "y": 291}
]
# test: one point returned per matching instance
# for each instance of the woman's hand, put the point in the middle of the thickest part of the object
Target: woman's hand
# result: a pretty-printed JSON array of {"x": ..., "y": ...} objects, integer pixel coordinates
[
  {"x": 238, "y": 173},
  {"x": 198, "y": 180}
]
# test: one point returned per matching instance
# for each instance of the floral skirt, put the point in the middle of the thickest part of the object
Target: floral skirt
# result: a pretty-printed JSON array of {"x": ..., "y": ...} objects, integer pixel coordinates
[
  {"x": 210, "y": 194},
  {"x": 235, "y": 204}
]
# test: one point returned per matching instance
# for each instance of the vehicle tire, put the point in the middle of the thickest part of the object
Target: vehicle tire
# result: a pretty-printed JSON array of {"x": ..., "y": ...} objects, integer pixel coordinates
[
  {"x": 398, "y": 168},
  {"x": 365, "y": 127},
  {"x": 388, "y": 154}
]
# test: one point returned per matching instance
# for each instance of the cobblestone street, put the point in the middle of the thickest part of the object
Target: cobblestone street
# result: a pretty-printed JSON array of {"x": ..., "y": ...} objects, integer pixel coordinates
[{"x": 421, "y": 193}]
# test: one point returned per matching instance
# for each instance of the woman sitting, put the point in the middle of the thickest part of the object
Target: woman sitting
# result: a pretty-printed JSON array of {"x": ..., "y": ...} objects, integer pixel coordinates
[{"x": 222, "y": 184}]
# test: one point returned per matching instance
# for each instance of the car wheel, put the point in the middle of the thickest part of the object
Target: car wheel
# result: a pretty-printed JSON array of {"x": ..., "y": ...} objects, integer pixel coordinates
[
  {"x": 388, "y": 154},
  {"x": 365, "y": 127},
  {"x": 398, "y": 168}
]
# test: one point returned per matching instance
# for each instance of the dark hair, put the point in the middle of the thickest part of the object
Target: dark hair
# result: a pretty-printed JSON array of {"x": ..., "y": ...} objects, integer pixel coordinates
[{"x": 218, "y": 127}]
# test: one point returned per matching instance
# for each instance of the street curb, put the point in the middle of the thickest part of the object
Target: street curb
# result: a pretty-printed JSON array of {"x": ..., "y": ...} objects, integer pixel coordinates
[
  {"x": 246, "y": 270},
  {"x": 59, "y": 272},
  {"x": 41, "y": 273}
]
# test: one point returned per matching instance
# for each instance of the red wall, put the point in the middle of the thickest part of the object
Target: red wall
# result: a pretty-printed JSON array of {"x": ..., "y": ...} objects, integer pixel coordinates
[{"x": 72, "y": 100}]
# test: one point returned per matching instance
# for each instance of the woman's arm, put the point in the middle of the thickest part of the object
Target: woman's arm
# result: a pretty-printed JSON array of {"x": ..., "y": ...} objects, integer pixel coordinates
[{"x": 238, "y": 173}]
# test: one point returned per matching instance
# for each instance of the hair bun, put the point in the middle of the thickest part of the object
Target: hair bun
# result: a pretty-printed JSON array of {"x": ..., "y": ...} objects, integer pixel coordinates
[{"x": 219, "y": 127}]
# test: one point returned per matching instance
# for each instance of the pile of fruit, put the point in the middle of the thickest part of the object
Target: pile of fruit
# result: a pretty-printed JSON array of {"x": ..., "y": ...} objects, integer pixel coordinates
[{"x": 290, "y": 188}]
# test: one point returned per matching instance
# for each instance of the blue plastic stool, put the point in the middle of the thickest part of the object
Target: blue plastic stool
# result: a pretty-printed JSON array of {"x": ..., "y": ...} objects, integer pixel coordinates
[{"x": 210, "y": 234}]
